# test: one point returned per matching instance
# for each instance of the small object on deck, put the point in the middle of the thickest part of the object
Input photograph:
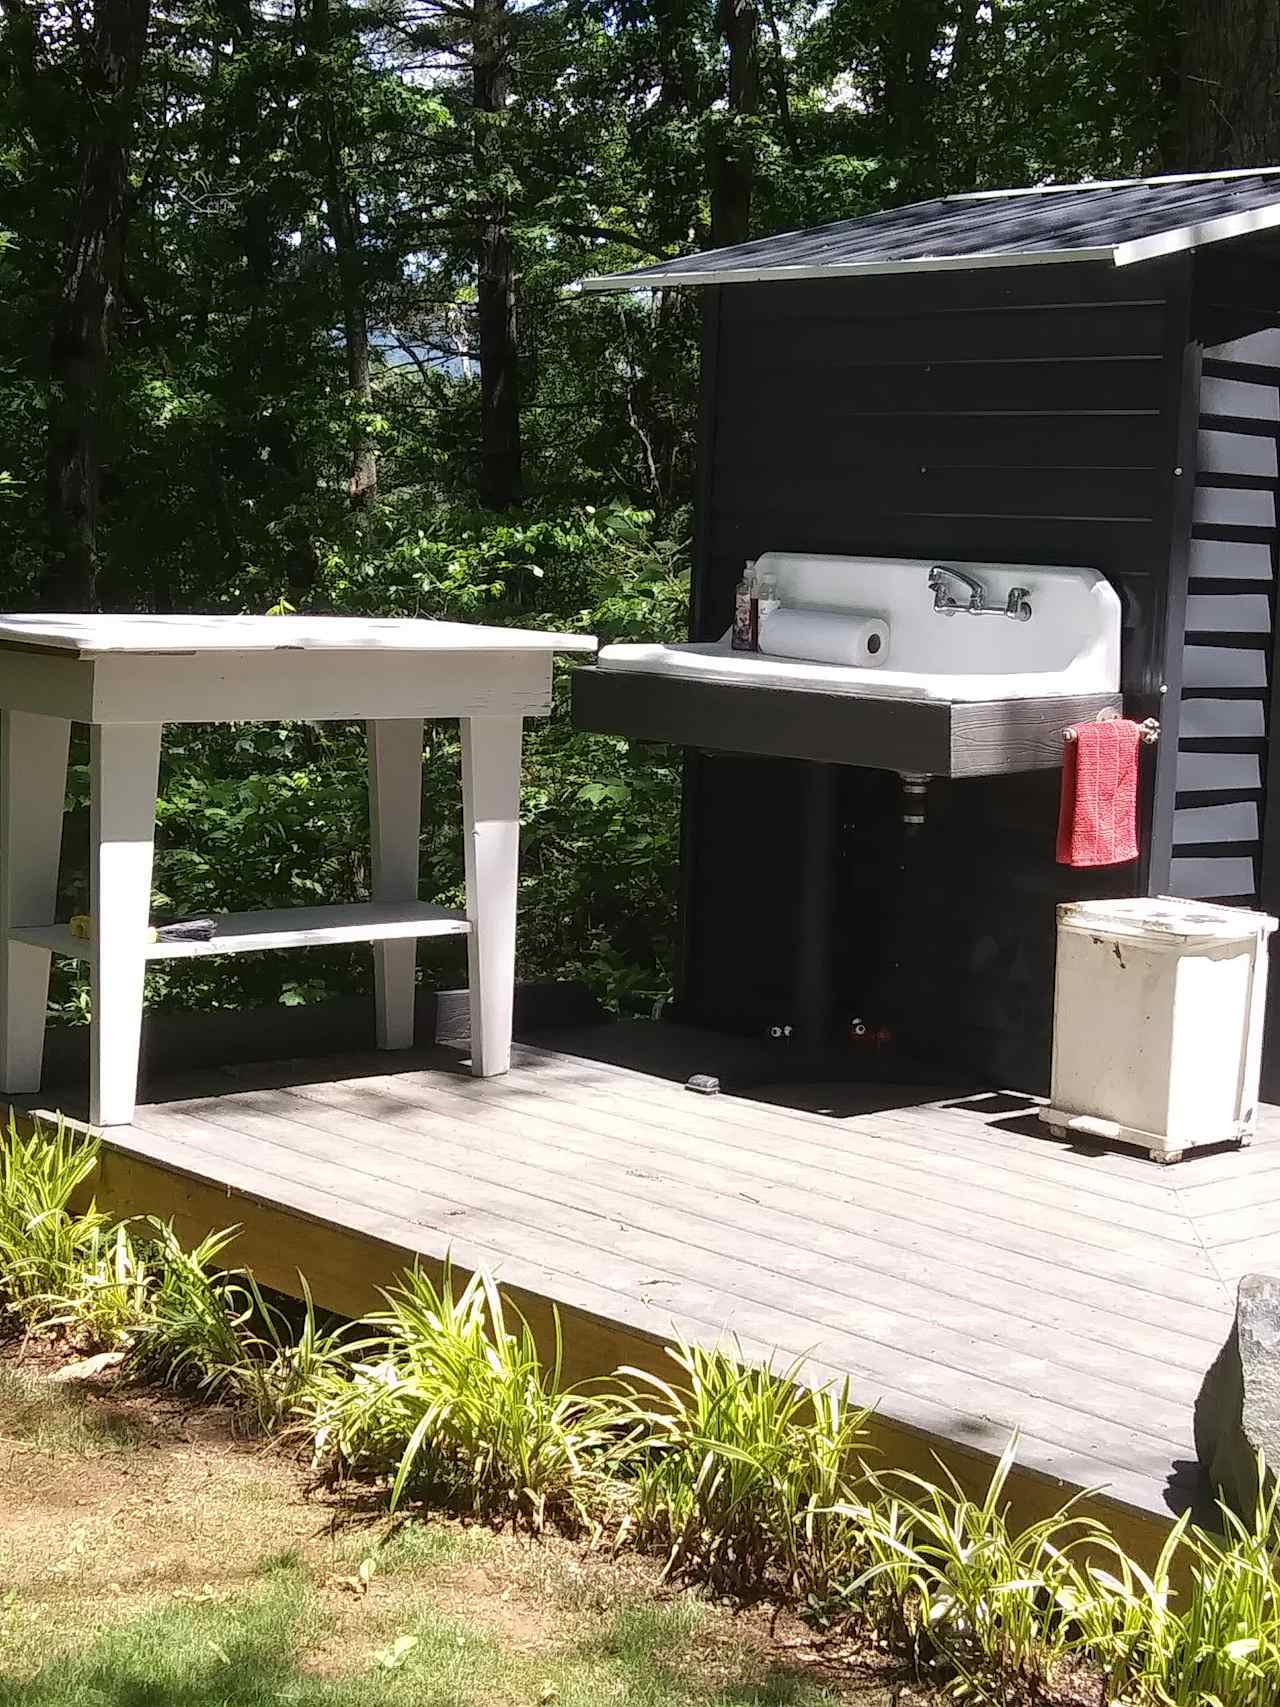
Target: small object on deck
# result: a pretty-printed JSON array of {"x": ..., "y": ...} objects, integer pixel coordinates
[
  {"x": 1237, "y": 1412},
  {"x": 186, "y": 930},
  {"x": 81, "y": 926},
  {"x": 1098, "y": 814},
  {"x": 705, "y": 1084}
]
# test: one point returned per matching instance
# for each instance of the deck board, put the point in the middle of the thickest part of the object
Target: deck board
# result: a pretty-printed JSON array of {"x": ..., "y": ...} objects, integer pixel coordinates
[{"x": 966, "y": 1271}]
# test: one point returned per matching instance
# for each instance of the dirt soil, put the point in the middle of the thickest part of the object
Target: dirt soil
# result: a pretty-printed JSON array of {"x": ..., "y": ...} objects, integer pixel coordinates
[{"x": 119, "y": 1501}]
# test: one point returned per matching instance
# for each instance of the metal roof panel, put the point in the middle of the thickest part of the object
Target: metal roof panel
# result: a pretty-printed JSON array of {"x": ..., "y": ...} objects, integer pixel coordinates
[{"x": 1123, "y": 222}]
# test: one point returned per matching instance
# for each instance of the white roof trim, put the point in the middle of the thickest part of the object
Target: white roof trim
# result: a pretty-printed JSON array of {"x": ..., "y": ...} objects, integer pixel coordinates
[
  {"x": 816, "y": 269},
  {"x": 1195, "y": 236},
  {"x": 1113, "y": 184}
]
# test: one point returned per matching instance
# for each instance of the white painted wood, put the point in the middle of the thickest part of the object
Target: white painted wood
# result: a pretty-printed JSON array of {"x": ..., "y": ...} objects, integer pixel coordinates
[
  {"x": 33, "y": 780},
  {"x": 317, "y": 685},
  {"x": 1259, "y": 402},
  {"x": 1223, "y": 667},
  {"x": 1235, "y": 453},
  {"x": 395, "y": 824},
  {"x": 1261, "y": 347},
  {"x": 228, "y": 669},
  {"x": 491, "y": 831},
  {"x": 123, "y": 762},
  {"x": 127, "y": 676},
  {"x": 1233, "y": 506},
  {"x": 94, "y": 636},
  {"x": 1230, "y": 559},
  {"x": 281, "y": 927},
  {"x": 46, "y": 685}
]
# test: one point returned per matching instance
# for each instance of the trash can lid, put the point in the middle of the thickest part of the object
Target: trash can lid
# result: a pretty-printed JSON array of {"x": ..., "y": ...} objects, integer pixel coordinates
[{"x": 1164, "y": 916}]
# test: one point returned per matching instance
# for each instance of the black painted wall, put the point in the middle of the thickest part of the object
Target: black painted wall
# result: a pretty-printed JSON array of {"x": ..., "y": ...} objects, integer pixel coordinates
[{"x": 1030, "y": 414}]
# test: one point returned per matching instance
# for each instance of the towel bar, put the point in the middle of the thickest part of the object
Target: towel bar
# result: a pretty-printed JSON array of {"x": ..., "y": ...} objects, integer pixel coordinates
[{"x": 1149, "y": 728}]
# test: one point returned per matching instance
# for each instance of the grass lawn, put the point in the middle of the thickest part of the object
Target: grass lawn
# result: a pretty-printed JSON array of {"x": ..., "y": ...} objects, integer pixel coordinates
[{"x": 150, "y": 1559}]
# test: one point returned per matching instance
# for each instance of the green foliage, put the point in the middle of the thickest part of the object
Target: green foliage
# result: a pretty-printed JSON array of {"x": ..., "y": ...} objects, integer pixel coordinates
[
  {"x": 749, "y": 1482},
  {"x": 110, "y": 1289},
  {"x": 969, "y": 1594},
  {"x": 282, "y": 1357},
  {"x": 191, "y": 1331},
  {"x": 1215, "y": 1645},
  {"x": 461, "y": 1404},
  {"x": 745, "y": 1476},
  {"x": 45, "y": 1245},
  {"x": 228, "y": 418}
]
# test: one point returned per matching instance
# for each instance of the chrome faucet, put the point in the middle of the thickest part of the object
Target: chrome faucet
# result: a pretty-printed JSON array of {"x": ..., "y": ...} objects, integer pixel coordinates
[{"x": 1017, "y": 605}]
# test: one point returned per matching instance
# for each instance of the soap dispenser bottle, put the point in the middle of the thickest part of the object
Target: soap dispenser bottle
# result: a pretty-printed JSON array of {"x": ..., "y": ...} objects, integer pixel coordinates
[{"x": 744, "y": 635}]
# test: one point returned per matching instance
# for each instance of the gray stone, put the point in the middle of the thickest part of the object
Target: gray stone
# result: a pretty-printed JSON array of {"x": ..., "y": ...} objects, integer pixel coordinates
[{"x": 1238, "y": 1407}]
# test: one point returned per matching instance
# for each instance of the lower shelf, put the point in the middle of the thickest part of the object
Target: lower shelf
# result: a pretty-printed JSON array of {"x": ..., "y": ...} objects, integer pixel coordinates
[{"x": 286, "y": 927}]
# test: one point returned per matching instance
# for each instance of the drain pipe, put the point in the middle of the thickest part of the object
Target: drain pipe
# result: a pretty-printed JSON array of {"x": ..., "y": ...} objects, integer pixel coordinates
[{"x": 914, "y": 788}]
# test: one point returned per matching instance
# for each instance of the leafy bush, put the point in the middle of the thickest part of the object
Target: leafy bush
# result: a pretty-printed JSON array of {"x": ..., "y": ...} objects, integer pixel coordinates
[
  {"x": 1218, "y": 1645},
  {"x": 279, "y": 1364},
  {"x": 191, "y": 1331},
  {"x": 455, "y": 1401},
  {"x": 45, "y": 1246},
  {"x": 748, "y": 1482},
  {"x": 967, "y": 1593},
  {"x": 744, "y": 1475},
  {"x": 109, "y": 1296}
]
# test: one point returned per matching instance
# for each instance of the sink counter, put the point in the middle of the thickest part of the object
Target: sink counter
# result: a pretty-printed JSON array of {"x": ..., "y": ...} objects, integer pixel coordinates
[{"x": 900, "y": 731}]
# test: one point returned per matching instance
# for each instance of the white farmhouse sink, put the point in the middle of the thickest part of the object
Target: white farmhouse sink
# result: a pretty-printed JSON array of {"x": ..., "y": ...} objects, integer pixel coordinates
[{"x": 1070, "y": 644}]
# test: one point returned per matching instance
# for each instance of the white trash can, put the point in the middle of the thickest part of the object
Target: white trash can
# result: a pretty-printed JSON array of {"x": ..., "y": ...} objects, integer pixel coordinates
[{"x": 1157, "y": 1022}]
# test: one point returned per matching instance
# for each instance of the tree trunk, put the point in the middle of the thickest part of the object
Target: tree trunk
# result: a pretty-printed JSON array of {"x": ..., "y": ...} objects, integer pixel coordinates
[
  {"x": 80, "y": 333},
  {"x": 1230, "y": 79},
  {"x": 733, "y": 148},
  {"x": 500, "y": 451},
  {"x": 912, "y": 32},
  {"x": 344, "y": 231}
]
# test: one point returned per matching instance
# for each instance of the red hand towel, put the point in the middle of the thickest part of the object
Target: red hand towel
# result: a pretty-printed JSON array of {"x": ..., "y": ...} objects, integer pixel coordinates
[{"x": 1098, "y": 820}]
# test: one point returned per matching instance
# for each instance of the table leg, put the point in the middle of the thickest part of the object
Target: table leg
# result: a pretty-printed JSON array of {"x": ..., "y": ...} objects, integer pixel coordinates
[
  {"x": 491, "y": 826},
  {"x": 124, "y": 760},
  {"x": 33, "y": 783},
  {"x": 395, "y": 822}
]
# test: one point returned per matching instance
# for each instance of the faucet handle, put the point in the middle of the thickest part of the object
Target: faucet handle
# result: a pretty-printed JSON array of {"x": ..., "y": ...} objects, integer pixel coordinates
[{"x": 1018, "y": 604}]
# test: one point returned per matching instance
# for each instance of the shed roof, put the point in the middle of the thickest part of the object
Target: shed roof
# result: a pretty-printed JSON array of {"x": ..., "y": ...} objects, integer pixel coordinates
[{"x": 1123, "y": 222}]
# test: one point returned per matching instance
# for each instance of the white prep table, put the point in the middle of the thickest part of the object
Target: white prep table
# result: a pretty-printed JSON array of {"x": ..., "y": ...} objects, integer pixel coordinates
[{"x": 127, "y": 676}]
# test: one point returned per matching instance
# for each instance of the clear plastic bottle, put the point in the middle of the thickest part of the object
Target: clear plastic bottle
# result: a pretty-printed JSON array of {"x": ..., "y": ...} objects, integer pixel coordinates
[{"x": 767, "y": 600}]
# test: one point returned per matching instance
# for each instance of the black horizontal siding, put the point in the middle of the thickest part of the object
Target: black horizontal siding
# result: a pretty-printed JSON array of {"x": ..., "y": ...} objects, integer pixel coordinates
[
  {"x": 1024, "y": 417},
  {"x": 1223, "y": 749}
]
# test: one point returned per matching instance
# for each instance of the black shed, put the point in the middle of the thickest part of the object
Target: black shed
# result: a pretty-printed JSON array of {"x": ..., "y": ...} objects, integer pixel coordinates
[{"x": 1087, "y": 375}]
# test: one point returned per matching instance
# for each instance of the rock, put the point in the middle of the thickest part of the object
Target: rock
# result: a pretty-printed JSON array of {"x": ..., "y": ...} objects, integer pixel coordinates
[
  {"x": 87, "y": 1369},
  {"x": 1238, "y": 1408}
]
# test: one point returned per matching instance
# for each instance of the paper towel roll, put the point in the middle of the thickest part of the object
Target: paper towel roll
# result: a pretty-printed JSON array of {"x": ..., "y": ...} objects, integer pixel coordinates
[{"x": 852, "y": 637}]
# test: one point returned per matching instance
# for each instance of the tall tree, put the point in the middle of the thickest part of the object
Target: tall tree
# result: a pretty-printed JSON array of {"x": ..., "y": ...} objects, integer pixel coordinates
[
  {"x": 1230, "y": 83},
  {"x": 733, "y": 150},
  {"x": 343, "y": 219},
  {"x": 500, "y": 446},
  {"x": 80, "y": 335}
]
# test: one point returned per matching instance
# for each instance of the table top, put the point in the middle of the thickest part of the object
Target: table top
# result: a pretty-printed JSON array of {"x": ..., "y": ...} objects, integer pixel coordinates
[{"x": 98, "y": 636}]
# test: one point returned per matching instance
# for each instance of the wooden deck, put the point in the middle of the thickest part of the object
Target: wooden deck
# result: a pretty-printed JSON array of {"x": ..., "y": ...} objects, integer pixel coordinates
[{"x": 969, "y": 1273}]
